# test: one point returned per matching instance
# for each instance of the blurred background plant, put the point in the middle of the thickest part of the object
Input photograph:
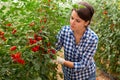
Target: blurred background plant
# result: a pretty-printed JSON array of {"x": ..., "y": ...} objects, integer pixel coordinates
[{"x": 106, "y": 23}]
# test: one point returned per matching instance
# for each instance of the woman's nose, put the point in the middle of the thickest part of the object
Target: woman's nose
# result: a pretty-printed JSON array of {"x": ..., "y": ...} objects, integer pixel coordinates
[{"x": 73, "y": 21}]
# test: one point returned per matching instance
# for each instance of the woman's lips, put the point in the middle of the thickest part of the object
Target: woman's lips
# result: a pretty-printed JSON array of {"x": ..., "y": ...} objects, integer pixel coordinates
[{"x": 72, "y": 26}]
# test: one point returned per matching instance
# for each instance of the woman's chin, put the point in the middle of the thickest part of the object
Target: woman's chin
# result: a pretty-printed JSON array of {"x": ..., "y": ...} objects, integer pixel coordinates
[{"x": 71, "y": 27}]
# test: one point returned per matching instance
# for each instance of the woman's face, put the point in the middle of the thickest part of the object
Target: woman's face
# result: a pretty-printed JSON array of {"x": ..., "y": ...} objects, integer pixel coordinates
[{"x": 76, "y": 23}]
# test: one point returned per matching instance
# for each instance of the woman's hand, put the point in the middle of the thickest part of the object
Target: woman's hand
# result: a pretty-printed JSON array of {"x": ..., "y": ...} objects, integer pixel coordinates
[
  {"x": 64, "y": 62},
  {"x": 60, "y": 60}
]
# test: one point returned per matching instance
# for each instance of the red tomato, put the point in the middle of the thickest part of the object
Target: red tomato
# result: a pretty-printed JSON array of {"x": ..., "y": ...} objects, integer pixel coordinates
[
  {"x": 9, "y": 24},
  {"x": 32, "y": 24},
  {"x": 105, "y": 12},
  {"x": 21, "y": 61},
  {"x": 13, "y": 48},
  {"x": 14, "y": 31},
  {"x": 16, "y": 55},
  {"x": 39, "y": 38},
  {"x": 36, "y": 48}
]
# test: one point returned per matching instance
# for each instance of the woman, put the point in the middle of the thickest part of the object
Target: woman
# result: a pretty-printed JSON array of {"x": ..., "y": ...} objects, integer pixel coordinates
[{"x": 80, "y": 44}]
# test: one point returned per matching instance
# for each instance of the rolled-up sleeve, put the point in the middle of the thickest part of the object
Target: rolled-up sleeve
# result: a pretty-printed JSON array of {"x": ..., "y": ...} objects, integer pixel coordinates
[{"x": 87, "y": 56}]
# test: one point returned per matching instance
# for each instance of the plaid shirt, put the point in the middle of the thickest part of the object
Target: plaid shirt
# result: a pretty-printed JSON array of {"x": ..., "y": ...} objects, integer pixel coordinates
[{"x": 81, "y": 54}]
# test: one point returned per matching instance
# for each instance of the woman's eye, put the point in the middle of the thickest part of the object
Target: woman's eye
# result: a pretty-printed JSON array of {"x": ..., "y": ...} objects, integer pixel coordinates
[
  {"x": 78, "y": 21},
  {"x": 72, "y": 18}
]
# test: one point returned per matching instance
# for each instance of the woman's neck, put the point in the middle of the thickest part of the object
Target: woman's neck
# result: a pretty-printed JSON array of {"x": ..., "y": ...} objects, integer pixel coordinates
[
  {"x": 78, "y": 35},
  {"x": 79, "y": 32}
]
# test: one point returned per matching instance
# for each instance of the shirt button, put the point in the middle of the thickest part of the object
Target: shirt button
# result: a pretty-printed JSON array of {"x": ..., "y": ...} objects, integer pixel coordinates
[{"x": 76, "y": 46}]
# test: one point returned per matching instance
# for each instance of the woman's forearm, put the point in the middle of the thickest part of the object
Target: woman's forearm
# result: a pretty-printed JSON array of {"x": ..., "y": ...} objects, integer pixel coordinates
[{"x": 68, "y": 64}]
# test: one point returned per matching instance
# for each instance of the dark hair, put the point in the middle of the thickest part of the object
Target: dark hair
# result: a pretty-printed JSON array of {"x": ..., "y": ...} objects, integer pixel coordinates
[{"x": 86, "y": 12}]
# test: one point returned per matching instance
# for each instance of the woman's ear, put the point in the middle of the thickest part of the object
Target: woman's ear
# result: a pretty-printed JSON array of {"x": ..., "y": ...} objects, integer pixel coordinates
[{"x": 87, "y": 23}]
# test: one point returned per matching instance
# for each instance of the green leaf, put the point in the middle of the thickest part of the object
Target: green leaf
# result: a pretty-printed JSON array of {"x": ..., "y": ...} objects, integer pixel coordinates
[
  {"x": 3, "y": 7},
  {"x": 39, "y": 78},
  {"x": 76, "y": 6},
  {"x": 4, "y": 0}
]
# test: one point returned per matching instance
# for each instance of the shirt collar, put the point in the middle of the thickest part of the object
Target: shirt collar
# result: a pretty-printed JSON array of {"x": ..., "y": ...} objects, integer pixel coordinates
[{"x": 86, "y": 34}]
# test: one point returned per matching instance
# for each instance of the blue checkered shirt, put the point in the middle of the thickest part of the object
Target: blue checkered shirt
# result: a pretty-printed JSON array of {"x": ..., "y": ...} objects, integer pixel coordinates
[{"x": 81, "y": 54}]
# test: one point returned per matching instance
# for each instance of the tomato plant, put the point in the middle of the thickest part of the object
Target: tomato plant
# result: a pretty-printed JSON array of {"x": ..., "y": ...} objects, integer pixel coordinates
[{"x": 27, "y": 38}]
